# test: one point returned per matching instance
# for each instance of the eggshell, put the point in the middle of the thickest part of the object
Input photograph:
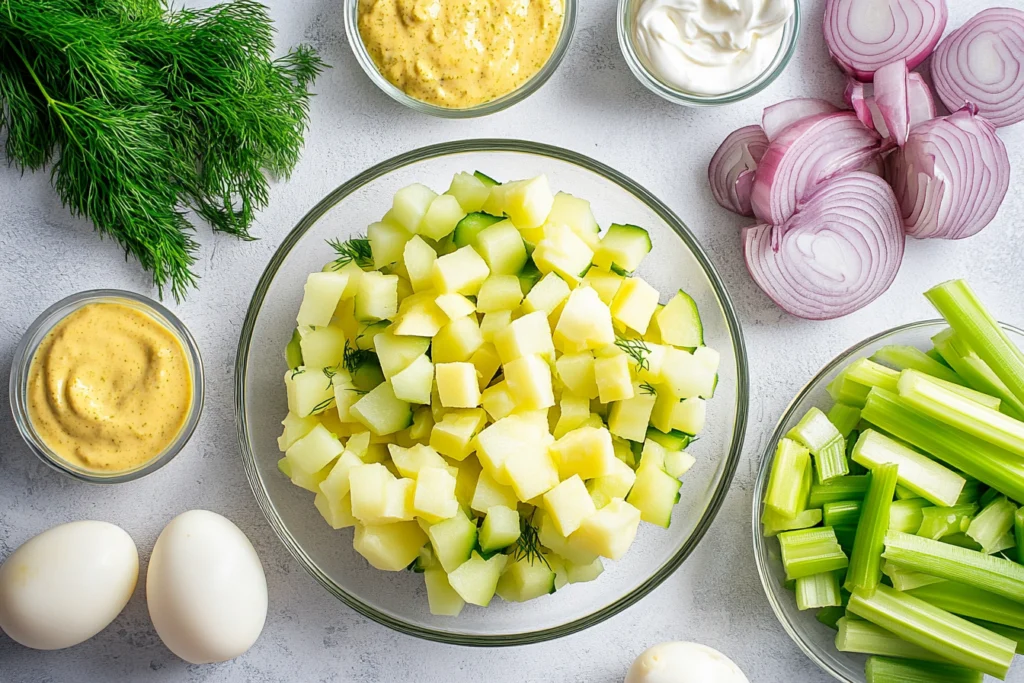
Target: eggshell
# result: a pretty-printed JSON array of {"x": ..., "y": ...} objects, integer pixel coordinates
[
  {"x": 67, "y": 584},
  {"x": 680, "y": 662},
  {"x": 206, "y": 589}
]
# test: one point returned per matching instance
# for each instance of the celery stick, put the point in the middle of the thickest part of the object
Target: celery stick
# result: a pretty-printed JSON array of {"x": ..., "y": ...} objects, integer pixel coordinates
[
  {"x": 934, "y": 354},
  {"x": 830, "y": 616},
  {"x": 907, "y": 579},
  {"x": 863, "y": 637},
  {"x": 842, "y": 513},
  {"x": 987, "y": 497},
  {"x": 1018, "y": 523},
  {"x": 903, "y": 493},
  {"x": 971, "y": 492},
  {"x": 965, "y": 313},
  {"x": 846, "y": 535},
  {"x": 992, "y": 523},
  {"x": 826, "y": 444},
  {"x": 938, "y": 402},
  {"x": 968, "y": 601},
  {"x": 844, "y": 390},
  {"x": 906, "y": 515},
  {"x": 1008, "y": 631},
  {"x": 940, "y": 522},
  {"x": 969, "y": 567},
  {"x": 961, "y": 540},
  {"x": 979, "y": 376},
  {"x": 935, "y": 630},
  {"x": 1006, "y": 546},
  {"x": 913, "y": 358},
  {"x": 871, "y": 374},
  {"x": 774, "y": 522},
  {"x": 849, "y": 487},
  {"x": 844, "y": 417},
  {"x": 981, "y": 460},
  {"x": 785, "y": 494},
  {"x": 811, "y": 551},
  {"x": 885, "y": 670},
  {"x": 818, "y": 590},
  {"x": 917, "y": 472},
  {"x": 866, "y": 559}
]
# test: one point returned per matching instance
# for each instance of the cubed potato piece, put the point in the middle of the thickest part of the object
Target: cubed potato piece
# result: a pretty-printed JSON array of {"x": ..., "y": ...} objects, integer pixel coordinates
[
  {"x": 322, "y": 347},
  {"x": 377, "y": 298},
  {"x": 502, "y": 440},
  {"x": 410, "y": 205},
  {"x": 321, "y": 295},
  {"x": 563, "y": 252},
  {"x": 498, "y": 401},
  {"x": 585, "y": 322},
  {"x": 457, "y": 341},
  {"x": 295, "y": 428},
  {"x": 549, "y": 537},
  {"x": 502, "y": 247},
  {"x": 457, "y": 385},
  {"x": 576, "y": 213},
  {"x": 629, "y": 418},
  {"x": 390, "y": 547},
  {"x": 615, "y": 484},
  {"x": 441, "y": 217},
  {"x": 526, "y": 202},
  {"x": 604, "y": 282},
  {"x": 532, "y": 471},
  {"x": 314, "y": 451},
  {"x": 419, "y": 257},
  {"x": 486, "y": 361},
  {"x": 573, "y": 412},
  {"x": 586, "y": 451},
  {"x": 453, "y": 435},
  {"x": 434, "y": 499},
  {"x": 499, "y": 293},
  {"x": 336, "y": 485},
  {"x": 409, "y": 461},
  {"x": 568, "y": 504},
  {"x": 418, "y": 316},
  {"x": 576, "y": 372},
  {"x": 396, "y": 353},
  {"x": 387, "y": 242},
  {"x": 455, "y": 305},
  {"x": 369, "y": 488},
  {"x": 414, "y": 383},
  {"x": 336, "y": 512},
  {"x": 381, "y": 411},
  {"x": 634, "y": 304},
  {"x": 488, "y": 493},
  {"x": 469, "y": 190},
  {"x": 530, "y": 334},
  {"x": 614, "y": 382},
  {"x": 547, "y": 295},
  {"x": 463, "y": 271},
  {"x": 610, "y": 531},
  {"x": 529, "y": 382},
  {"x": 685, "y": 376},
  {"x": 493, "y": 323}
]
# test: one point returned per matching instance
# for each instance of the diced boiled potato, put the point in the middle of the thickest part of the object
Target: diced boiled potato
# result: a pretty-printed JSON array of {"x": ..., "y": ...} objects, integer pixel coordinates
[
  {"x": 320, "y": 297},
  {"x": 377, "y": 298},
  {"x": 586, "y": 451},
  {"x": 622, "y": 248},
  {"x": 336, "y": 512},
  {"x": 434, "y": 499},
  {"x": 295, "y": 428},
  {"x": 476, "y": 579},
  {"x": 573, "y": 412},
  {"x": 529, "y": 382},
  {"x": 452, "y": 540},
  {"x": 419, "y": 257},
  {"x": 678, "y": 463},
  {"x": 685, "y": 376},
  {"x": 525, "y": 336},
  {"x": 485, "y": 360},
  {"x": 469, "y": 191},
  {"x": 634, "y": 304},
  {"x": 457, "y": 385},
  {"x": 629, "y": 417},
  {"x": 418, "y": 316},
  {"x": 500, "y": 528},
  {"x": 575, "y": 213},
  {"x": 533, "y": 471},
  {"x": 314, "y": 451},
  {"x": 410, "y": 205},
  {"x": 455, "y": 305},
  {"x": 457, "y": 341},
  {"x": 547, "y": 295},
  {"x": 610, "y": 531},
  {"x": 310, "y": 482},
  {"x": 563, "y": 252},
  {"x": 585, "y": 322},
  {"x": 679, "y": 322},
  {"x": 381, "y": 411},
  {"x": 614, "y": 383},
  {"x": 422, "y": 424},
  {"x": 499, "y": 293},
  {"x": 502, "y": 440},
  {"x": 441, "y": 217},
  {"x": 654, "y": 493},
  {"x": 409, "y": 461},
  {"x": 372, "y": 496},
  {"x": 576, "y": 372},
  {"x": 387, "y": 242},
  {"x": 581, "y": 573},
  {"x": 604, "y": 282},
  {"x": 462, "y": 271},
  {"x": 493, "y": 323},
  {"x": 441, "y": 597},
  {"x": 322, "y": 347},
  {"x": 389, "y": 547},
  {"x": 502, "y": 247},
  {"x": 498, "y": 401},
  {"x": 414, "y": 383},
  {"x": 488, "y": 493},
  {"x": 453, "y": 435},
  {"x": 568, "y": 504},
  {"x": 524, "y": 579},
  {"x": 616, "y": 484},
  {"x": 396, "y": 353},
  {"x": 336, "y": 485},
  {"x": 526, "y": 202},
  {"x": 548, "y": 535}
]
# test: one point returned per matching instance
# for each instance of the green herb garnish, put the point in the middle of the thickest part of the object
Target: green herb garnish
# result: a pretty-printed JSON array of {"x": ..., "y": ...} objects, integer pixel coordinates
[
  {"x": 637, "y": 350},
  {"x": 528, "y": 546},
  {"x": 354, "y": 357},
  {"x": 356, "y": 249},
  {"x": 648, "y": 389}
]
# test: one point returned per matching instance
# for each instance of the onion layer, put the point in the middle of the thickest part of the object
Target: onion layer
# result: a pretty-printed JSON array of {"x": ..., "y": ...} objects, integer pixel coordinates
[
  {"x": 865, "y": 35},
  {"x": 982, "y": 62},
  {"x": 804, "y": 156},
  {"x": 731, "y": 171},
  {"x": 863, "y": 99},
  {"x": 840, "y": 252},
  {"x": 951, "y": 176},
  {"x": 892, "y": 97},
  {"x": 781, "y": 116}
]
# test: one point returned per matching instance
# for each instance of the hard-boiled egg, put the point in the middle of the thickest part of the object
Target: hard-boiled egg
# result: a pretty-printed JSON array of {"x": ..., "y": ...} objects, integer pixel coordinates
[
  {"x": 680, "y": 662},
  {"x": 206, "y": 589},
  {"x": 67, "y": 584}
]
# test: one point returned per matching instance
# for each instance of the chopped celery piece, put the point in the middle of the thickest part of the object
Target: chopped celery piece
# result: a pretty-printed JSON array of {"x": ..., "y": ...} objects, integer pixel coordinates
[
  {"x": 844, "y": 390},
  {"x": 774, "y": 523},
  {"x": 940, "y": 522},
  {"x": 871, "y": 374},
  {"x": 981, "y": 460},
  {"x": 938, "y": 402},
  {"x": 987, "y": 497},
  {"x": 968, "y": 601},
  {"x": 934, "y": 629},
  {"x": 866, "y": 559},
  {"x": 1008, "y": 631},
  {"x": 863, "y": 637},
  {"x": 825, "y": 443},
  {"x": 786, "y": 494},
  {"x": 917, "y": 472},
  {"x": 934, "y": 354},
  {"x": 913, "y": 358},
  {"x": 946, "y": 561},
  {"x": 978, "y": 375},
  {"x": 1018, "y": 525},
  {"x": 906, "y": 515},
  {"x": 845, "y": 535},
  {"x": 818, "y": 590},
  {"x": 903, "y": 493},
  {"x": 850, "y": 487},
  {"x": 885, "y": 670},
  {"x": 992, "y": 523},
  {"x": 907, "y": 579},
  {"x": 830, "y": 616},
  {"x": 844, "y": 417},
  {"x": 811, "y": 551},
  {"x": 971, "y": 492},
  {"x": 842, "y": 513},
  {"x": 962, "y": 540}
]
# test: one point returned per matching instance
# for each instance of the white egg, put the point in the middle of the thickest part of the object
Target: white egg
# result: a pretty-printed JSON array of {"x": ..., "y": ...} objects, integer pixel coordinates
[
  {"x": 67, "y": 584},
  {"x": 206, "y": 589},
  {"x": 680, "y": 662}
]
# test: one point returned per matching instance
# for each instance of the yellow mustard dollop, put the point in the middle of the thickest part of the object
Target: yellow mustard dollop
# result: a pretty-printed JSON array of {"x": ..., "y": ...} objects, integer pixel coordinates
[
  {"x": 459, "y": 53},
  {"x": 109, "y": 388}
]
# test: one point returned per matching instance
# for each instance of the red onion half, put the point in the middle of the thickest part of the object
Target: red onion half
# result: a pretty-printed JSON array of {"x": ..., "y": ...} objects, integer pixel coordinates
[
  {"x": 982, "y": 62},
  {"x": 781, "y": 116},
  {"x": 865, "y": 35},
  {"x": 731, "y": 172},
  {"x": 804, "y": 156},
  {"x": 951, "y": 176},
  {"x": 840, "y": 252}
]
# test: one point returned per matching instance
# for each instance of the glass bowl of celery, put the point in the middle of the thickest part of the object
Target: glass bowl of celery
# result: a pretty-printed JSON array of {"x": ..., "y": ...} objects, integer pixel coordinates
[{"x": 917, "y": 438}]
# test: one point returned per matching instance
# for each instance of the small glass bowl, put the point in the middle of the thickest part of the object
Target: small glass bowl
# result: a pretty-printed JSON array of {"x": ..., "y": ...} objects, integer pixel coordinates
[
  {"x": 626, "y": 22},
  {"x": 815, "y": 639},
  {"x": 351, "y": 12},
  {"x": 26, "y": 351}
]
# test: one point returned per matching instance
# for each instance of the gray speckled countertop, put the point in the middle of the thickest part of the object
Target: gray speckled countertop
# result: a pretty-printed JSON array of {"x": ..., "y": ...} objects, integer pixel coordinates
[{"x": 592, "y": 105}]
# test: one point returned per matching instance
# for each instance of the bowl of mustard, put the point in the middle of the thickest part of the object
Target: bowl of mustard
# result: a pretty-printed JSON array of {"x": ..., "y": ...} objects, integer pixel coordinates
[
  {"x": 459, "y": 58},
  {"x": 106, "y": 386}
]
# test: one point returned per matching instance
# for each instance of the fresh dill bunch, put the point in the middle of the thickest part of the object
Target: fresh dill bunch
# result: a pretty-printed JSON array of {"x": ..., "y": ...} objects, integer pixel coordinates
[
  {"x": 528, "y": 546},
  {"x": 356, "y": 249},
  {"x": 635, "y": 349}
]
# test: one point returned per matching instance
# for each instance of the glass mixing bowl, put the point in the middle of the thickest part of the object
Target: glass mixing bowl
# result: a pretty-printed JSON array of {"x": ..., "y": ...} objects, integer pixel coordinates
[
  {"x": 398, "y": 600},
  {"x": 815, "y": 639}
]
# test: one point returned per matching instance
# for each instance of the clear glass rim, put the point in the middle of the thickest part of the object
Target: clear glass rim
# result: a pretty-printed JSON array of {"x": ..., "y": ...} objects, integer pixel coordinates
[
  {"x": 351, "y": 15},
  {"x": 768, "y": 454},
  {"x": 25, "y": 352},
  {"x": 493, "y": 145},
  {"x": 624, "y": 24}
]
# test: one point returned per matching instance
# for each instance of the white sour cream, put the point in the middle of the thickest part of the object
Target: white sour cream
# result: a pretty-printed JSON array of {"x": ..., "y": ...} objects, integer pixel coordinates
[{"x": 709, "y": 47}]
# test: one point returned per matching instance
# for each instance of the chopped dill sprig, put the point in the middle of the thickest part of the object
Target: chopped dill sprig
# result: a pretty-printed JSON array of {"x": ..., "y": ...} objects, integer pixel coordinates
[
  {"x": 637, "y": 350},
  {"x": 297, "y": 371},
  {"x": 361, "y": 392},
  {"x": 322, "y": 405},
  {"x": 356, "y": 249},
  {"x": 528, "y": 546},
  {"x": 648, "y": 389},
  {"x": 354, "y": 357},
  {"x": 329, "y": 373}
]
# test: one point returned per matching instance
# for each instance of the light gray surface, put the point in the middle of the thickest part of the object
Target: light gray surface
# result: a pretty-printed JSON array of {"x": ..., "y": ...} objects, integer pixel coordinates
[{"x": 592, "y": 105}]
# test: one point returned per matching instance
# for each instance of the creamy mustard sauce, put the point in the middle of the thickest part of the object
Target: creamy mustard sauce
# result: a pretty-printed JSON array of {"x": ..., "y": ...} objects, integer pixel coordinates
[
  {"x": 109, "y": 388},
  {"x": 459, "y": 53}
]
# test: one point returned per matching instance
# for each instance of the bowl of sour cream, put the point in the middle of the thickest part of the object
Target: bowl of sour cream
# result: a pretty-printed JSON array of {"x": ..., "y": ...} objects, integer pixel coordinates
[{"x": 702, "y": 53}]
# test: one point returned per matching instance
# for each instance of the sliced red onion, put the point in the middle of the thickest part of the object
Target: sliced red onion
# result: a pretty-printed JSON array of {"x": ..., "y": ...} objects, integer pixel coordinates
[
  {"x": 840, "y": 252},
  {"x": 857, "y": 97},
  {"x": 892, "y": 87},
  {"x": 731, "y": 172},
  {"x": 865, "y": 35},
  {"x": 922, "y": 102},
  {"x": 778, "y": 117},
  {"x": 951, "y": 176},
  {"x": 982, "y": 62},
  {"x": 804, "y": 156},
  {"x": 861, "y": 98}
]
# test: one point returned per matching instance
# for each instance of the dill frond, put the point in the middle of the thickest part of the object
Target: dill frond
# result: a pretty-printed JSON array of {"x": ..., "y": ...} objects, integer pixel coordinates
[
  {"x": 636, "y": 349},
  {"x": 356, "y": 249}
]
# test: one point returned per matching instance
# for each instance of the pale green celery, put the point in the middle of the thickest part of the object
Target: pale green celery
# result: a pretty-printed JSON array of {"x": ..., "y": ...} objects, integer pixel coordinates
[
  {"x": 992, "y": 523},
  {"x": 907, "y": 579},
  {"x": 1007, "y": 631},
  {"x": 906, "y": 515},
  {"x": 962, "y": 540},
  {"x": 1018, "y": 524},
  {"x": 818, "y": 590},
  {"x": 871, "y": 374},
  {"x": 973, "y": 369},
  {"x": 968, "y": 601},
  {"x": 841, "y": 513},
  {"x": 918, "y": 473},
  {"x": 863, "y": 637},
  {"x": 972, "y": 456},
  {"x": 850, "y": 487},
  {"x": 965, "y": 313},
  {"x": 866, "y": 559},
  {"x": 913, "y": 358},
  {"x": 774, "y": 523},
  {"x": 844, "y": 417},
  {"x": 811, "y": 551},
  {"x": 786, "y": 494},
  {"x": 903, "y": 493},
  {"x": 817, "y": 433},
  {"x": 971, "y": 492},
  {"x": 934, "y": 354},
  {"x": 938, "y": 402},
  {"x": 830, "y": 616},
  {"x": 885, "y": 670},
  {"x": 1004, "y": 543},
  {"x": 940, "y": 522},
  {"x": 946, "y": 561},
  {"x": 987, "y": 497},
  {"x": 844, "y": 390},
  {"x": 936, "y": 630},
  {"x": 966, "y": 392}
]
